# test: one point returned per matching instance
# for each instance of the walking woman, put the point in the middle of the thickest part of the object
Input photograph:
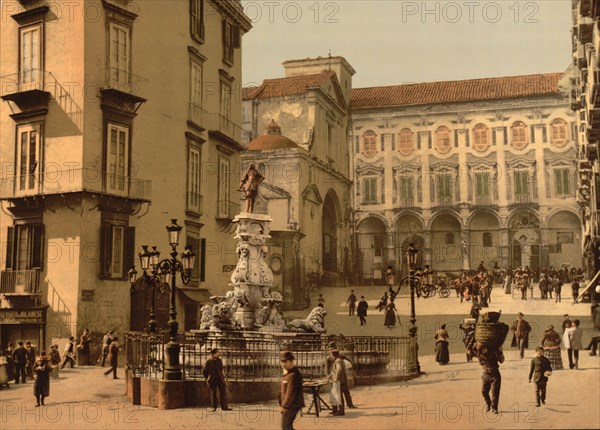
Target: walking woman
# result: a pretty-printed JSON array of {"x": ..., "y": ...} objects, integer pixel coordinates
[
  {"x": 551, "y": 344},
  {"x": 41, "y": 386},
  {"x": 442, "y": 354},
  {"x": 390, "y": 315}
]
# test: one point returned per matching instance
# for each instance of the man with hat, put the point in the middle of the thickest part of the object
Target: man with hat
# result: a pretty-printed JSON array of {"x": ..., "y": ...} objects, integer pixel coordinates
[
  {"x": 344, "y": 381},
  {"x": 566, "y": 322},
  {"x": 361, "y": 311},
  {"x": 337, "y": 375},
  {"x": 291, "y": 399},
  {"x": 521, "y": 329},
  {"x": 215, "y": 379}
]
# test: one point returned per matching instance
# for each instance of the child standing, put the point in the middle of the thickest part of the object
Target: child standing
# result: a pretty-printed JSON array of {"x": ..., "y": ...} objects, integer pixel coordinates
[{"x": 540, "y": 369}]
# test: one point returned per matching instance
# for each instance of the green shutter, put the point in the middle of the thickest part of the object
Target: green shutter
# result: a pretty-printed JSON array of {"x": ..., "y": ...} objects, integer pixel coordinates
[
  {"x": 128, "y": 250},
  {"x": 10, "y": 248},
  {"x": 37, "y": 256}
]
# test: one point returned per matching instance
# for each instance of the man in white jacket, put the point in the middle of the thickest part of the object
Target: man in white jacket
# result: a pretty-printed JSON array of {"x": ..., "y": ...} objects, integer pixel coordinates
[{"x": 338, "y": 373}]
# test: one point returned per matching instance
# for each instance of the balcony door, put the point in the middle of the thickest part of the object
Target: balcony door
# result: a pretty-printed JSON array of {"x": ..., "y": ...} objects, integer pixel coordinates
[
  {"x": 28, "y": 159},
  {"x": 30, "y": 57}
]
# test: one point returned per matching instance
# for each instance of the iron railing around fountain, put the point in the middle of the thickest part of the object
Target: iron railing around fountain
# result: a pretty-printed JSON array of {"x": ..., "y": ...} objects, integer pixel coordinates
[{"x": 254, "y": 356}]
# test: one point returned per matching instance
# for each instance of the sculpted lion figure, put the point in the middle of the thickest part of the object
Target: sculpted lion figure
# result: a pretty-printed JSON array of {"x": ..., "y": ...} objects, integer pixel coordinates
[{"x": 314, "y": 323}]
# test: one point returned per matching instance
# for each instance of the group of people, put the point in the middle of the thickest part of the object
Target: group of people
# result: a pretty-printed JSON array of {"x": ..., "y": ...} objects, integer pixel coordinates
[
  {"x": 291, "y": 397},
  {"x": 476, "y": 287},
  {"x": 547, "y": 357},
  {"x": 360, "y": 308},
  {"x": 23, "y": 364}
]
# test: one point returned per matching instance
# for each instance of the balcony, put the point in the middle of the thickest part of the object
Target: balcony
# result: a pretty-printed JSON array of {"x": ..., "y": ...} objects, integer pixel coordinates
[
  {"x": 585, "y": 7},
  {"x": 483, "y": 200},
  {"x": 585, "y": 29},
  {"x": 523, "y": 199},
  {"x": 20, "y": 282},
  {"x": 34, "y": 88},
  {"x": 579, "y": 57},
  {"x": 227, "y": 211},
  {"x": 75, "y": 181},
  {"x": 120, "y": 90},
  {"x": 407, "y": 202},
  {"x": 198, "y": 117},
  {"x": 444, "y": 201},
  {"x": 195, "y": 203},
  {"x": 223, "y": 128}
]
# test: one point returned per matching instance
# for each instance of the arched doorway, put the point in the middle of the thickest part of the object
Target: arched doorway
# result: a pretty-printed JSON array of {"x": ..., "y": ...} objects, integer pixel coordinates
[
  {"x": 524, "y": 237},
  {"x": 371, "y": 250},
  {"x": 329, "y": 243},
  {"x": 409, "y": 228},
  {"x": 564, "y": 243},
  {"x": 446, "y": 242},
  {"x": 484, "y": 240}
]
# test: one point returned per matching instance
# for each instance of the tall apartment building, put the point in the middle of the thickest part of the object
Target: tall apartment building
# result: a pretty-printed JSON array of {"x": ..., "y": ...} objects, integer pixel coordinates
[
  {"x": 116, "y": 117},
  {"x": 470, "y": 171},
  {"x": 585, "y": 101}
]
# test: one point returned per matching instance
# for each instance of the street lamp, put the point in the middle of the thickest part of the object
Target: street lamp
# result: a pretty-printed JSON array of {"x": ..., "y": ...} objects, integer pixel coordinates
[
  {"x": 411, "y": 259},
  {"x": 165, "y": 272}
]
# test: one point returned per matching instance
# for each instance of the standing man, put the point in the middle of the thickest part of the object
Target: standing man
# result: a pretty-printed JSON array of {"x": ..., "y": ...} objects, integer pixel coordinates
[
  {"x": 337, "y": 375},
  {"x": 575, "y": 290},
  {"x": 362, "y": 310},
  {"x": 31, "y": 358},
  {"x": 106, "y": 341},
  {"x": 344, "y": 381},
  {"x": 490, "y": 359},
  {"x": 84, "y": 347},
  {"x": 572, "y": 341},
  {"x": 521, "y": 329},
  {"x": 558, "y": 290},
  {"x": 540, "y": 366},
  {"x": 291, "y": 399},
  {"x": 215, "y": 379},
  {"x": 249, "y": 185},
  {"x": 20, "y": 359},
  {"x": 113, "y": 356},
  {"x": 41, "y": 386},
  {"x": 566, "y": 322},
  {"x": 69, "y": 353},
  {"x": 351, "y": 302}
]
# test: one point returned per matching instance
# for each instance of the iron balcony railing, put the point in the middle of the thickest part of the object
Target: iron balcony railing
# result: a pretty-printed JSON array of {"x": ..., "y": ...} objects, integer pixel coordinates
[
  {"x": 483, "y": 200},
  {"x": 20, "y": 281},
  {"x": 75, "y": 180},
  {"x": 198, "y": 116},
  {"x": 217, "y": 122},
  {"x": 37, "y": 79},
  {"x": 122, "y": 80},
  {"x": 227, "y": 210},
  {"x": 523, "y": 198},
  {"x": 195, "y": 202}
]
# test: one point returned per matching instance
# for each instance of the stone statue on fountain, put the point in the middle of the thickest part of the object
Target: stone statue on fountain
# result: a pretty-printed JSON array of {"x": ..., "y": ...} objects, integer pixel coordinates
[{"x": 251, "y": 304}]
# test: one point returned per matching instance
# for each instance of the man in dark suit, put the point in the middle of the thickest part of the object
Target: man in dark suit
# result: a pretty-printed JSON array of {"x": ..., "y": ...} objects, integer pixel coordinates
[
  {"x": 20, "y": 359},
  {"x": 490, "y": 359},
  {"x": 540, "y": 370},
  {"x": 521, "y": 329},
  {"x": 31, "y": 357},
  {"x": 361, "y": 311},
  {"x": 215, "y": 379},
  {"x": 291, "y": 399}
]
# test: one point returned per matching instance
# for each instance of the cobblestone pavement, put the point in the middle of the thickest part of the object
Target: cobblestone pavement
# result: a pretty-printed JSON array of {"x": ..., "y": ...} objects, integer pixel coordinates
[{"x": 444, "y": 397}]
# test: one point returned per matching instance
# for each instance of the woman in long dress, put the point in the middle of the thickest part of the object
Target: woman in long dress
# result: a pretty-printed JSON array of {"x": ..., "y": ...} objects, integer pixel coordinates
[
  {"x": 551, "y": 344},
  {"x": 442, "y": 354},
  {"x": 390, "y": 315}
]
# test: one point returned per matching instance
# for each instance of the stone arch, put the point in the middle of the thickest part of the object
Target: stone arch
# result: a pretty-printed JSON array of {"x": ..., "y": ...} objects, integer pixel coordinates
[
  {"x": 370, "y": 245},
  {"x": 524, "y": 238},
  {"x": 484, "y": 239},
  {"x": 563, "y": 236},
  {"x": 446, "y": 241},
  {"x": 331, "y": 222},
  {"x": 443, "y": 212},
  {"x": 408, "y": 228}
]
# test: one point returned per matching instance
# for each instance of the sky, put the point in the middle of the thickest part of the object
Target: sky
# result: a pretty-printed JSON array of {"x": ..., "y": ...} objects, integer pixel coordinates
[{"x": 392, "y": 42}]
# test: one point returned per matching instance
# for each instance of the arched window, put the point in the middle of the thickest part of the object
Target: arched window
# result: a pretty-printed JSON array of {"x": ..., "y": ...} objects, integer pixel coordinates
[
  {"x": 559, "y": 132},
  {"x": 481, "y": 139},
  {"x": 519, "y": 135},
  {"x": 442, "y": 139},
  {"x": 369, "y": 143},
  {"x": 406, "y": 141}
]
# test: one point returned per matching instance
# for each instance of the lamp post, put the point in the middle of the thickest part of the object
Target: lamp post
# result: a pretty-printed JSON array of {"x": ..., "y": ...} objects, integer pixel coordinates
[
  {"x": 165, "y": 272},
  {"x": 411, "y": 259}
]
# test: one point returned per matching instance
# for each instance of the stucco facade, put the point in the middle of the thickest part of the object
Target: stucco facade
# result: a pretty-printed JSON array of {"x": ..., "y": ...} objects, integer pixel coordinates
[
  {"x": 306, "y": 165},
  {"x": 471, "y": 171},
  {"x": 112, "y": 124}
]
